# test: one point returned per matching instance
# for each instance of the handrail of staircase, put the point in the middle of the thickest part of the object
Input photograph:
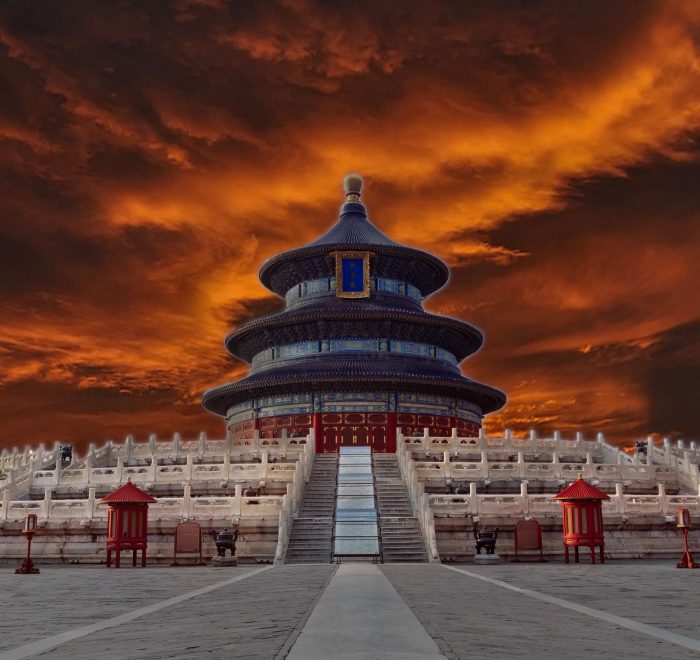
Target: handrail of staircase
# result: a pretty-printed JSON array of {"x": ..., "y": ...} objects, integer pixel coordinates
[
  {"x": 292, "y": 500},
  {"x": 419, "y": 499}
]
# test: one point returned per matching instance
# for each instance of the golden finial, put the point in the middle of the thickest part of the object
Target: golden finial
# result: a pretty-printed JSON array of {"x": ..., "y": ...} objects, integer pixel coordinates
[{"x": 352, "y": 185}]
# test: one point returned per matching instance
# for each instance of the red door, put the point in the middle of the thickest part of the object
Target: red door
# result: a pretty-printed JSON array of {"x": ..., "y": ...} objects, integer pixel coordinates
[
  {"x": 378, "y": 438},
  {"x": 353, "y": 429}
]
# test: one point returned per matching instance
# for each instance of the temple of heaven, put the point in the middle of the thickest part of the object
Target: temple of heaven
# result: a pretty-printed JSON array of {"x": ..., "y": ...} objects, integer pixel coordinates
[{"x": 353, "y": 355}]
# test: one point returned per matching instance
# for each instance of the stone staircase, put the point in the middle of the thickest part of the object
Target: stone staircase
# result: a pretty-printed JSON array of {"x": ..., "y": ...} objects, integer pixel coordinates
[
  {"x": 312, "y": 532},
  {"x": 402, "y": 539}
]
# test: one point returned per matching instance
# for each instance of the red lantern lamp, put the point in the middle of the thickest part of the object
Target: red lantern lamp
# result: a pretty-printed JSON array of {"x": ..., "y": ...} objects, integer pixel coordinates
[
  {"x": 28, "y": 567},
  {"x": 582, "y": 516},
  {"x": 127, "y": 522},
  {"x": 683, "y": 523}
]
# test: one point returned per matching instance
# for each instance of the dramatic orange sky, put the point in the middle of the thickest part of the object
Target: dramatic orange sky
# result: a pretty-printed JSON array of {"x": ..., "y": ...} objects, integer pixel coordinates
[{"x": 153, "y": 154}]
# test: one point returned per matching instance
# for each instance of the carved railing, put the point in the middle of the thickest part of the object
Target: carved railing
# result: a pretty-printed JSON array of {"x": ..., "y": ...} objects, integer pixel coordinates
[
  {"x": 520, "y": 469},
  {"x": 419, "y": 499},
  {"x": 166, "y": 508},
  {"x": 545, "y": 505},
  {"x": 292, "y": 499},
  {"x": 508, "y": 443}
]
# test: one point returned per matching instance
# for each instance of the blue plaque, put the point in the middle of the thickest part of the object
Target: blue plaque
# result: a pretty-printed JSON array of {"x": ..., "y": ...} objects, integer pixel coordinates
[
  {"x": 352, "y": 274},
  {"x": 352, "y": 268}
]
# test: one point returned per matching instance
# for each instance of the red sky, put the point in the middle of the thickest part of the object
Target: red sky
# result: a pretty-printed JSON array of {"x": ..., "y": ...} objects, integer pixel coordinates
[{"x": 153, "y": 154}]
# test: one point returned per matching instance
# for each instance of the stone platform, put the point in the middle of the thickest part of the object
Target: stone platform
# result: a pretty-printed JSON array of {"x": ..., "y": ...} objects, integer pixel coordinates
[{"x": 620, "y": 609}]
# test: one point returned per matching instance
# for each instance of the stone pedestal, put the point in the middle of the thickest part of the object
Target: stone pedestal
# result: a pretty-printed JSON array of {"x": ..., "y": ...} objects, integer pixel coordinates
[
  {"x": 487, "y": 559},
  {"x": 224, "y": 561}
]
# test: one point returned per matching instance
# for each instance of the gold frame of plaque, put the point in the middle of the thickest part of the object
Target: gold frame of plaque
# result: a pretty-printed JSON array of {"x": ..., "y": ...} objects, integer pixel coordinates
[{"x": 340, "y": 291}]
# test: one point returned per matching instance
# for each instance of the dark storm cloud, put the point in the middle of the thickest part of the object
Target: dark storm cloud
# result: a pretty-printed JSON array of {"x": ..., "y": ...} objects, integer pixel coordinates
[
  {"x": 601, "y": 309},
  {"x": 152, "y": 154}
]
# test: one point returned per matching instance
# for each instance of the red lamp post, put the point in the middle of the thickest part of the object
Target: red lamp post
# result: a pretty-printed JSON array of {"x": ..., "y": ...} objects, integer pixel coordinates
[
  {"x": 127, "y": 522},
  {"x": 582, "y": 517},
  {"x": 27, "y": 566},
  {"x": 683, "y": 523}
]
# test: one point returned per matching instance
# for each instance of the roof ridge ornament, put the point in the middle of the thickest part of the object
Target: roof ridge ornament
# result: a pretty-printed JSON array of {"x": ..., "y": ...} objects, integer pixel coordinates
[{"x": 352, "y": 186}]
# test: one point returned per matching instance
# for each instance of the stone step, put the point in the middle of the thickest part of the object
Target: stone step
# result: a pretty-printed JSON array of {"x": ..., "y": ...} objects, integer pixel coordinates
[
  {"x": 396, "y": 513},
  {"x": 317, "y": 513},
  {"x": 402, "y": 539},
  {"x": 311, "y": 560},
  {"x": 315, "y": 537},
  {"x": 311, "y": 536},
  {"x": 311, "y": 546},
  {"x": 308, "y": 528}
]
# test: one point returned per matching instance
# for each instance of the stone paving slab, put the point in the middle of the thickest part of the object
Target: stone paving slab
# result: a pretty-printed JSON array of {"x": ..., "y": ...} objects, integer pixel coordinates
[
  {"x": 62, "y": 598},
  {"x": 470, "y": 618},
  {"x": 262, "y": 616},
  {"x": 252, "y": 619},
  {"x": 652, "y": 592},
  {"x": 360, "y": 615}
]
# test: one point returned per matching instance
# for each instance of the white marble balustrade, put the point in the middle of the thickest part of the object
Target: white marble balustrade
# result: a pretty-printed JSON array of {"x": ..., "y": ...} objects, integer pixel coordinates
[
  {"x": 505, "y": 443},
  {"x": 448, "y": 469},
  {"x": 419, "y": 499},
  {"x": 525, "y": 504},
  {"x": 166, "y": 474},
  {"x": 291, "y": 502},
  {"x": 166, "y": 508}
]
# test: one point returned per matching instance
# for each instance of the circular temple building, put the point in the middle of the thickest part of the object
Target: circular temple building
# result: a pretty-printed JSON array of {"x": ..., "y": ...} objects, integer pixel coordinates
[{"x": 353, "y": 355}]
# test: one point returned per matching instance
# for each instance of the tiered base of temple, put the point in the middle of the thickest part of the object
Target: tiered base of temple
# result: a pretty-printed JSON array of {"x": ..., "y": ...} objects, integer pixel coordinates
[
  {"x": 257, "y": 485},
  {"x": 342, "y": 429}
]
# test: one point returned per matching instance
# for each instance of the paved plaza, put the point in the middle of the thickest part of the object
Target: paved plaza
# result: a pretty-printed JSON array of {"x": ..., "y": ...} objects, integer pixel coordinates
[{"x": 620, "y": 609}]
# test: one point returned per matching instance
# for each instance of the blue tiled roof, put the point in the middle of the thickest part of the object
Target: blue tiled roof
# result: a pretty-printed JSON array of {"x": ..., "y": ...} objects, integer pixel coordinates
[
  {"x": 353, "y": 228},
  {"x": 347, "y": 373},
  {"x": 466, "y": 338}
]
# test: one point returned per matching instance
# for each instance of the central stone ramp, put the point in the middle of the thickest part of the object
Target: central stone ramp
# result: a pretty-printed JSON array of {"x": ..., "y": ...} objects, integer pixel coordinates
[
  {"x": 356, "y": 534},
  {"x": 402, "y": 538},
  {"x": 311, "y": 537}
]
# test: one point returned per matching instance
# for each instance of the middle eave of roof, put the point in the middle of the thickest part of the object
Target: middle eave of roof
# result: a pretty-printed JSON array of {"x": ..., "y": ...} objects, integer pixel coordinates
[{"x": 353, "y": 311}]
